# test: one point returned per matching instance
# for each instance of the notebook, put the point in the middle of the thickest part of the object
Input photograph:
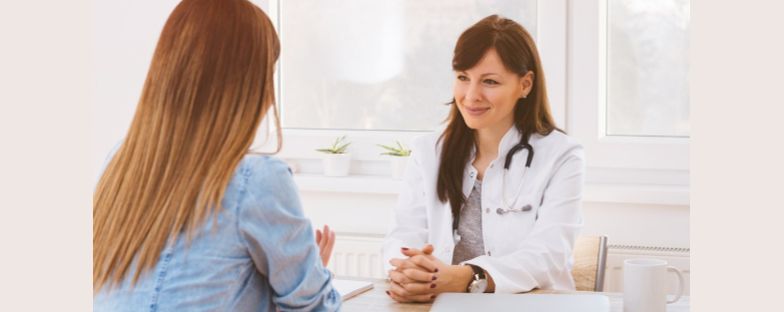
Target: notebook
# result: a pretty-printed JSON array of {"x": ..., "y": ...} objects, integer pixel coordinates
[
  {"x": 521, "y": 302},
  {"x": 350, "y": 288}
]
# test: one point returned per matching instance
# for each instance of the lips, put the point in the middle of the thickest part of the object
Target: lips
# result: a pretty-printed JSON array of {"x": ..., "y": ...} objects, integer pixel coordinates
[{"x": 475, "y": 111}]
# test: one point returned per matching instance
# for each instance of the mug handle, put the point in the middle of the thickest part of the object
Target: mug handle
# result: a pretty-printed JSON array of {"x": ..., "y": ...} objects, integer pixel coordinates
[{"x": 681, "y": 284}]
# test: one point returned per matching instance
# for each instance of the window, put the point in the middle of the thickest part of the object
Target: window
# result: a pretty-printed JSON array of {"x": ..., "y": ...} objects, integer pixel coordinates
[
  {"x": 628, "y": 114},
  {"x": 375, "y": 65},
  {"x": 648, "y": 68}
]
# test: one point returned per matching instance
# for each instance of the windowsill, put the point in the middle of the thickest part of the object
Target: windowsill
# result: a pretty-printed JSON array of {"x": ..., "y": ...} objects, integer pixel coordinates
[
  {"x": 593, "y": 192},
  {"x": 636, "y": 194}
]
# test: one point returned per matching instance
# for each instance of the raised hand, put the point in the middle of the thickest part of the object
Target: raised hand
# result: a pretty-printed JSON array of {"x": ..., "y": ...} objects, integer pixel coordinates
[{"x": 325, "y": 240}]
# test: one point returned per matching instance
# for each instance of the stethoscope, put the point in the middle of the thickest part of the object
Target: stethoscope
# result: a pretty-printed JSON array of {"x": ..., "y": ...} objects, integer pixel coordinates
[{"x": 523, "y": 145}]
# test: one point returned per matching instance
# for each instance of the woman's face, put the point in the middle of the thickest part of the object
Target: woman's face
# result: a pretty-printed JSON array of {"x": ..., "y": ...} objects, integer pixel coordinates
[{"x": 486, "y": 94}]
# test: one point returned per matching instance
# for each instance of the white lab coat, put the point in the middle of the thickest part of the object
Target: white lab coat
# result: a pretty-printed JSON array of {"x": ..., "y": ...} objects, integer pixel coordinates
[{"x": 523, "y": 250}]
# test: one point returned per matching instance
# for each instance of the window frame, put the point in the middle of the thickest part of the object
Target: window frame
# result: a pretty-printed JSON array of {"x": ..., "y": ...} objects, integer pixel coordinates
[
  {"x": 645, "y": 169},
  {"x": 588, "y": 99}
]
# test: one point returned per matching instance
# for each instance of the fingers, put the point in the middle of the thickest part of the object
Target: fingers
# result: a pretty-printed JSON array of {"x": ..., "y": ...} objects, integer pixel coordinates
[
  {"x": 398, "y": 263},
  {"x": 410, "y": 252},
  {"x": 418, "y": 275},
  {"x": 325, "y": 239},
  {"x": 424, "y": 262},
  {"x": 401, "y": 264},
  {"x": 407, "y": 276},
  {"x": 399, "y": 277},
  {"x": 330, "y": 244},
  {"x": 321, "y": 239},
  {"x": 416, "y": 262},
  {"x": 419, "y": 298},
  {"x": 416, "y": 292},
  {"x": 415, "y": 269}
]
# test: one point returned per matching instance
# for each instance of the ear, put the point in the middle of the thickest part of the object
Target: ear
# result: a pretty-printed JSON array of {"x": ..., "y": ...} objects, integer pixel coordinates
[{"x": 526, "y": 84}]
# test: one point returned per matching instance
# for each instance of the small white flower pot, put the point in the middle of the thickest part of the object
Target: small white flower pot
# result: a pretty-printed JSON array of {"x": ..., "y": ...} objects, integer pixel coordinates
[
  {"x": 398, "y": 166},
  {"x": 336, "y": 165}
]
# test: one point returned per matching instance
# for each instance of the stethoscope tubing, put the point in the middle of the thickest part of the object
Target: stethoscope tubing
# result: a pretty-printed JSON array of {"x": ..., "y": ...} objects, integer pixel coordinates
[{"x": 523, "y": 145}]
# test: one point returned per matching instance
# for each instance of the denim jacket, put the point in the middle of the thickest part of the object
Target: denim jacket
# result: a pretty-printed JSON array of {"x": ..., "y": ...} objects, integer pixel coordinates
[{"x": 257, "y": 254}]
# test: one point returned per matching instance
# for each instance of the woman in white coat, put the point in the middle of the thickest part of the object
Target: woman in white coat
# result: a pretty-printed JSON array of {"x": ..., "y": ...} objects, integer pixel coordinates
[{"x": 492, "y": 202}]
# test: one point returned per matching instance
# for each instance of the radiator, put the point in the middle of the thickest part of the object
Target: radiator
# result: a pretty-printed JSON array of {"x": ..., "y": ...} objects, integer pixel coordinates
[{"x": 359, "y": 255}]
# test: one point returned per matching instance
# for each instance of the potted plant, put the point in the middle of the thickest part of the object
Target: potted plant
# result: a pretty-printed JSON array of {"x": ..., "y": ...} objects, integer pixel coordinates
[
  {"x": 399, "y": 158},
  {"x": 336, "y": 160}
]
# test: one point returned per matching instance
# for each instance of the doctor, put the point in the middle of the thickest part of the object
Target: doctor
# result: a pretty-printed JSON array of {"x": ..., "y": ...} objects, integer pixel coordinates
[{"x": 492, "y": 203}]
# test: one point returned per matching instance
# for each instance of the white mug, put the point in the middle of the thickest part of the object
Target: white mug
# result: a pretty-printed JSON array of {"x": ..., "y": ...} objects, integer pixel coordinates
[{"x": 645, "y": 285}]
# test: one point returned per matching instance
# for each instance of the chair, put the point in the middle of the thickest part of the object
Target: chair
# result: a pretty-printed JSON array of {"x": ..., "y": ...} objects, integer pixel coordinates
[{"x": 590, "y": 260}]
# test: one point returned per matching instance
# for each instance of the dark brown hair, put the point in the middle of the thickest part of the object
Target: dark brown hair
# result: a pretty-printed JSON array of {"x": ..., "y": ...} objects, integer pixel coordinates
[
  {"x": 208, "y": 87},
  {"x": 531, "y": 114}
]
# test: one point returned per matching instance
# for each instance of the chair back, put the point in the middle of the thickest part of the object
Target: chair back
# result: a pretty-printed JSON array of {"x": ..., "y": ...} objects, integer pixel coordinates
[{"x": 590, "y": 260}]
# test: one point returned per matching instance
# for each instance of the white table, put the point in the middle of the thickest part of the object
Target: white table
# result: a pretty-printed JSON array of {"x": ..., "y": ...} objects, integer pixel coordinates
[{"x": 377, "y": 300}]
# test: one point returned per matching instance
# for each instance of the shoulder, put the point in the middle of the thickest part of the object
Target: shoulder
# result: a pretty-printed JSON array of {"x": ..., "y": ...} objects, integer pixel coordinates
[
  {"x": 557, "y": 145},
  {"x": 264, "y": 165},
  {"x": 265, "y": 174}
]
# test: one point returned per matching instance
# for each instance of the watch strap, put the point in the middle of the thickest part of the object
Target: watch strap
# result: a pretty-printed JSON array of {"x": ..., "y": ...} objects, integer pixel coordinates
[{"x": 479, "y": 273}]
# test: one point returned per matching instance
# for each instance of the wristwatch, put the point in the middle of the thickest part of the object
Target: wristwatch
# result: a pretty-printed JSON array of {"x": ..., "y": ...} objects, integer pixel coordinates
[{"x": 478, "y": 283}]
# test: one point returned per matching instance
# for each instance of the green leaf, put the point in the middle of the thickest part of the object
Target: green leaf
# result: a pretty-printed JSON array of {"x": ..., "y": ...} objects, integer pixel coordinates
[
  {"x": 342, "y": 149},
  {"x": 400, "y": 150},
  {"x": 336, "y": 148},
  {"x": 391, "y": 149},
  {"x": 326, "y": 150}
]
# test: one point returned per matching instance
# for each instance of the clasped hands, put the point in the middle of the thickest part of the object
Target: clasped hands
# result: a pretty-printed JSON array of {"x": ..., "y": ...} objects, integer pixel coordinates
[{"x": 420, "y": 276}]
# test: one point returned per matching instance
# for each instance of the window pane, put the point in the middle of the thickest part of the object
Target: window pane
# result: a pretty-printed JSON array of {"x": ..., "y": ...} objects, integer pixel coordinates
[
  {"x": 376, "y": 65},
  {"x": 648, "y": 68}
]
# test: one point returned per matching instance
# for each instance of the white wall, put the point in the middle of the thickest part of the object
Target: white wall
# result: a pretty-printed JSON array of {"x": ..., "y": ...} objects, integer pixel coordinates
[{"x": 124, "y": 38}]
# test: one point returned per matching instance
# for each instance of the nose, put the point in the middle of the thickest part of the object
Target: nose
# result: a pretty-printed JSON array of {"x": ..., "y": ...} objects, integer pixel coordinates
[{"x": 473, "y": 92}]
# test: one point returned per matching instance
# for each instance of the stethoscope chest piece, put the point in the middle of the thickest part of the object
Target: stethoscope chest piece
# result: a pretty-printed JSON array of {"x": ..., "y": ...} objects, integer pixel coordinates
[{"x": 502, "y": 211}]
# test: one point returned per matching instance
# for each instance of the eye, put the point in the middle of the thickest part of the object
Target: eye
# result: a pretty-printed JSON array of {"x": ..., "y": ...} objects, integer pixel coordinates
[
  {"x": 462, "y": 78},
  {"x": 490, "y": 82}
]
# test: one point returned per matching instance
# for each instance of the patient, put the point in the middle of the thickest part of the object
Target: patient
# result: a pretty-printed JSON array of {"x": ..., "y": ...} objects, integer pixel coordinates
[{"x": 184, "y": 219}]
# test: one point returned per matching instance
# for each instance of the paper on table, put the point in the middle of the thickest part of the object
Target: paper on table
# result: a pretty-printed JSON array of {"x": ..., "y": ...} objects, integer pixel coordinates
[{"x": 350, "y": 288}]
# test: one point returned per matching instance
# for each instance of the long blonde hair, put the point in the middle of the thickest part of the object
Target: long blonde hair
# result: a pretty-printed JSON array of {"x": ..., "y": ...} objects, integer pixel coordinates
[{"x": 208, "y": 87}]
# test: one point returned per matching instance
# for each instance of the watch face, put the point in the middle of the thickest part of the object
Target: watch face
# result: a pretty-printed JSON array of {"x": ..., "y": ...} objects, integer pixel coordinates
[{"x": 478, "y": 286}]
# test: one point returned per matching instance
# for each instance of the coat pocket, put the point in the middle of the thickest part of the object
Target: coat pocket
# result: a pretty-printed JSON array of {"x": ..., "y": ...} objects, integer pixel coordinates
[{"x": 514, "y": 223}]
